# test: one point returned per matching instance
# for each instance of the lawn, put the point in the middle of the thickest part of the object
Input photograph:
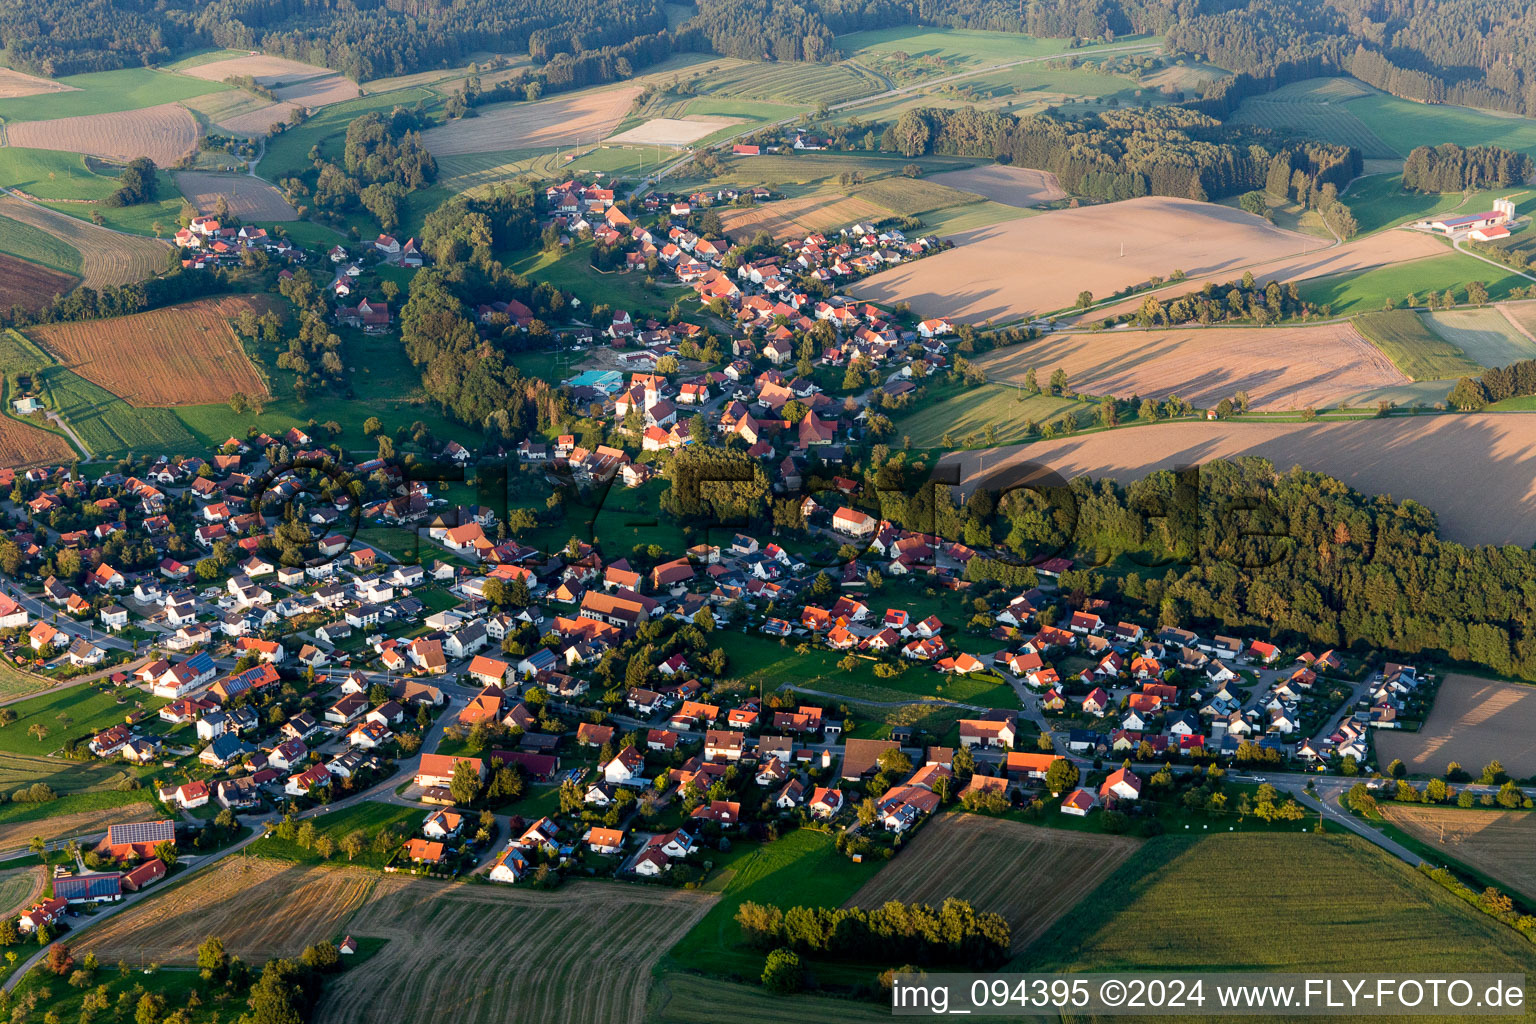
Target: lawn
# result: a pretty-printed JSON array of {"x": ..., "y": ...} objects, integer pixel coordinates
[
  {"x": 1306, "y": 902},
  {"x": 1406, "y": 339},
  {"x": 572, "y": 271},
  {"x": 106, "y": 92},
  {"x": 37, "y": 245},
  {"x": 74, "y": 712},
  {"x": 1369, "y": 291},
  {"x": 803, "y": 868},
  {"x": 368, "y": 817}
]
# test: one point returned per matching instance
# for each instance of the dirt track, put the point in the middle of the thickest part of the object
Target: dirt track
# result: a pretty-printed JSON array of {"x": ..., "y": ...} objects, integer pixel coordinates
[{"x": 1477, "y": 472}]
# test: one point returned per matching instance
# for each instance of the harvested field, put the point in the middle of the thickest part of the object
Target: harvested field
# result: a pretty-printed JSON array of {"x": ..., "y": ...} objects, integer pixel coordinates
[
  {"x": 260, "y": 908},
  {"x": 909, "y": 196},
  {"x": 1280, "y": 368},
  {"x": 1473, "y": 721},
  {"x": 180, "y": 355},
  {"x": 556, "y": 122},
  {"x": 321, "y": 91},
  {"x": 241, "y": 112},
  {"x": 1380, "y": 249},
  {"x": 28, "y": 284},
  {"x": 1487, "y": 336},
  {"x": 789, "y": 218},
  {"x": 250, "y": 199},
  {"x": 1014, "y": 186},
  {"x": 1522, "y": 314},
  {"x": 1420, "y": 353},
  {"x": 547, "y": 974},
  {"x": 673, "y": 131},
  {"x": 164, "y": 133},
  {"x": 1029, "y": 875},
  {"x": 19, "y": 889},
  {"x": 1477, "y": 472},
  {"x": 1500, "y": 844},
  {"x": 267, "y": 71},
  {"x": 256, "y": 122},
  {"x": 678, "y": 998},
  {"x": 1056, "y": 255},
  {"x": 14, "y": 84},
  {"x": 23, "y": 445},
  {"x": 16, "y": 835}
]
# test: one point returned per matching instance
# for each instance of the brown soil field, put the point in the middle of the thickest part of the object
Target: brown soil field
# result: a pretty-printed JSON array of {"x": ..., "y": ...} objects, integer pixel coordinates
[
  {"x": 320, "y": 91},
  {"x": 16, "y": 835},
  {"x": 1500, "y": 844},
  {"x": 250, "y": 199},
  {"x": 1015, "y": 186},
  {"x": 673, "y": 131},
  {"x": 1473, "y": 721},
  {"x": 1522, "y": 315},
  {"x": 261, "y": 909},
  {"x": 1280, "y": 367},
  {"x": 179, "y": 355},
  {"x": 23, "y": 446},
  {"x": 164, "y": 133},
  {"x": 1029, "y": 875},
  {"x": 241, "y": 112},
  {"x": 588, "y": 116},
  {"x": 14, "y": 84},
  {"x": 791, "y": 218},
  {"x": 30, "y": 285},
  {"x": 583, "y": 953},
  {"x": 256, "y": 122},
  {"x": 266, "y": 70},
  {"x": 1053, "y": 257},
  {"x": 1376, "y": 250},
  {"x": 108, "y": 257},
  {"x": 19, "y": 889},
  {"x": 1476, "y": 472}
]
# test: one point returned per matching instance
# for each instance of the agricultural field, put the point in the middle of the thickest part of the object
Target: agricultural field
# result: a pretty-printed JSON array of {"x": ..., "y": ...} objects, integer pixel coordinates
[
  {"x": 1029, "y": 875},
  {"x": 182, "y": 355},
  {"x": 1280, "y": 367},
  {"x": 1056, "y": 255},
  {"x": 56, "y": 821},
  {"x": 1379, "y": 201},
  {"x": 1521, "y": 314},
  {"x": 792, "y": 218},
  {"x": 288, "y": 152},
  {"x": 96, "y": 779},
  {"x": 1369, "y": 290},
  {"x": 19, "y": 889},
  {"x": 1384, "y": 249},
  {"x": 260, "y": 908},
  {"x": 1473, "y": 721},
  {"x": 25, "y": 284},
  {"x": 105, "y": 92},
  {"x": 23, "y": 445},
  {"x": 1404, "y": 124},
  {"x": 106, "y": 257},
  {"x": 250, "y": 199},
  {"x": 964, "y": 416},
  {"x": 678, "y": 998},
  {"x": 1013, "y": 186},
  {"x": 256, "y": 120},
  {"x": 1464, "y": 467},
  {"x": 914, "y": 196},
  {"x": 268, "y": 71},
  {"x": 320, "y": 91},
  {"x": 1330, "y": 903},
  {"x": 955, "y": 220},
  {"x": 1498, "y": 844},
  {"x": 546, "y": 974},
  {"x": 37, "y": 246},
  {"x": 14, "y": 84},
  {"x": 49, "y": 174},
  {"x": 563, "y": 121},
  {"x": 792, "y": 84},
  {"x": 164, "y": 133},
  {"x": 1489, "y": 337},
  {"x": 913, "y": 53},
  {"x": 671, "y": 131},
  {"x": 1406, "y": 338},
  {"x": 1317, "y": 108}
]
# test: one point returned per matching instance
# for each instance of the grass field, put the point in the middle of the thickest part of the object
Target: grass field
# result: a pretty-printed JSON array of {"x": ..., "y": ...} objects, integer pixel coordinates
[
  {"x": 1487, "y": 336},
  {"x": 572, "y": 271},
  {"x": 1379, "y": 201},
  {"x": 1403, "y": 124},
  {"x": 76, "y": 815},
  {"x": 1029, "y": 875},
  {"x": 580, "y": 954},
  {"x": 38, "y": 246},
  {"x": 1473, "y": 721},
  {"x": 261, "y": 909},
  {"x": 962, "y": 413},
  {"x": 908, "y": 54},
  {"x": 1318, "y": 108},
  {"x": 914, "y": 195},
  {"x": 51, "y": 174},
  {"x": 1369, "y": 290},
  {"x": 106, "y": 257},
  {"x": 76, "y": 711},
  {"x": 105, "y": 92},
  {"x": 369, "y": 817},
  {"x": 1499, "y": 844},
  {"x": 1419, "y": 352},
  {"x": 1308, "y": 903},
  {"x": 792, "y": 83},
  {"x": 19, "y": 887},
  {"x": 288, "y": 153}
]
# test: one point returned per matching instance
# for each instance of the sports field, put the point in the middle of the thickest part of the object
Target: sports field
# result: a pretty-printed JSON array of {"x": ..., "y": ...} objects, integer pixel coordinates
[
  {"x": 1029, "y": 875},
  {"x": 1468, "y": 468},
  {"x": 563, "y": 121},
  {"x": 1500, "y": 844},
  {"x": 1473, "y": 721},
  {"x": 580, "y": 954},
  {"x": 1032, "y": 267},
  {"x": 1280, "y": 367}
]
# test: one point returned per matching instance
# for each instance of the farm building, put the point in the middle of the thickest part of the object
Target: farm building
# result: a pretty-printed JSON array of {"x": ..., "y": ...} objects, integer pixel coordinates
[
  {"x": 1470, "y": 222},
  {"x": 138, "y": 838}
]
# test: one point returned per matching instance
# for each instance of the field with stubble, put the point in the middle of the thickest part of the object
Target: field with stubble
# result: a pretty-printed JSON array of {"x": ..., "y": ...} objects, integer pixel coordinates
[
  {"x": 1474, "y": 721},
  {"x": 179, "y": 355},
  {"x": 1474, "y": 471},
  {"x": 580, "y": 954},
  {"x": 14, "y": 84},
  {"x": 1280, "y": 367},
  {"x": 803, "y": 215},
  {"x": 30, "y": 285},
  {"x": 1028, "y": 268},
  {"x": 23, "y": 445},
  {"x": 1015, "y": 186},
  {"x": 267, "y": 70},
  {"x": 107, "y": 257},
  {"x": 1500, "y": 844},
  {"x": 250, "y": 199},
  {"x": 164, "y": 133},
  {"x": 260, "y": 908},
  {"x": 1029, "y": 875},
  {"x": 587, "y": 116}
]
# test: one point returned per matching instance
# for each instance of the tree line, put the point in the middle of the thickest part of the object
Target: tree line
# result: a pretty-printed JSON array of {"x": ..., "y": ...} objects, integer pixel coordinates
[
  {"x": 954, "y": 933},
  {"x": 1452, "y": 168}
]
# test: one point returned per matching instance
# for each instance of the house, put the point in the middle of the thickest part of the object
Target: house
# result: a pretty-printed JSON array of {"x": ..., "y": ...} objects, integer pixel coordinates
[
  {"x": 725, "y": 813},
  {"x": 987, "y": 733},
  {"x": 138, "y": 839},
  {"x": 852, "y": 523},
  {"x": 605, "y": 840},
  {"x": 1122, "y": 784},
  {"x": 626, "y": 768},
  {"x": 442, "y": 824},
  {"x": 423, "y": 851},
  {"x": 1079, "y": 802},
  {"x": 145, "y": 874},
  {"x": 437, "y": 769},
  {"x": 41, "y": 915},
  {"x": 192, "y": 794}
]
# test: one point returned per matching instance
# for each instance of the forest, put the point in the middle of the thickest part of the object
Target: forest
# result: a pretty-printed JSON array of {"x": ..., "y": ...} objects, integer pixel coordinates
[{"x": 1452, "y": 168}]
